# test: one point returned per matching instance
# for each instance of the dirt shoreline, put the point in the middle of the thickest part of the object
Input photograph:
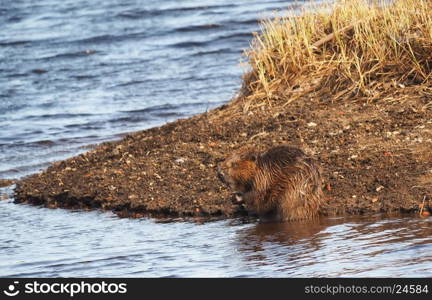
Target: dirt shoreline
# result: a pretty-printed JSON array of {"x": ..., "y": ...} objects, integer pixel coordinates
[{"x": 376, "y": 158}]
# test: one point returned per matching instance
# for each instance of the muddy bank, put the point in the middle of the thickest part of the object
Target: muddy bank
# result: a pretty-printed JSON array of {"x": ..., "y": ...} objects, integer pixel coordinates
[
  {"x": 6, "y": 182},
  {"x": 376, "y": 157}
]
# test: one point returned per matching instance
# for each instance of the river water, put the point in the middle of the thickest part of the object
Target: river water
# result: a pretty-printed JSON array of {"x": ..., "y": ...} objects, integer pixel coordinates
[{"x": 75, "y": 73}]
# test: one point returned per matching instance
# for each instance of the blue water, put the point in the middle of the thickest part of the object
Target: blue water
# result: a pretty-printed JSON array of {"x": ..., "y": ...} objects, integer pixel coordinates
[{"x": 76, "y": 73}]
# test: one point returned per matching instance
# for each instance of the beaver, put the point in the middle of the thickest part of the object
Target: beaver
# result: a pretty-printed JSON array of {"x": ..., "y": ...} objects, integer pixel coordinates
[{"x": 281, "y": 184}]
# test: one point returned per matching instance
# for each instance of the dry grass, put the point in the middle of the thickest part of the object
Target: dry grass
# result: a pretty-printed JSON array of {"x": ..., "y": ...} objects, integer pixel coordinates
[{"x": 352, "y": 47}]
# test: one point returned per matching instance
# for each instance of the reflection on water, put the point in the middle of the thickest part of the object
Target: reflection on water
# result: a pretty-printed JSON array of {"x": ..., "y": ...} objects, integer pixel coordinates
[
  {"x": 351, "y": 246},
  {"x": 43, "y": 242}
]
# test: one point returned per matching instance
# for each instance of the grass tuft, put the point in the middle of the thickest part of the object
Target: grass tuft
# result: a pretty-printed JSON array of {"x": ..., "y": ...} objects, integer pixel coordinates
[{"x": 348, "y": 48}]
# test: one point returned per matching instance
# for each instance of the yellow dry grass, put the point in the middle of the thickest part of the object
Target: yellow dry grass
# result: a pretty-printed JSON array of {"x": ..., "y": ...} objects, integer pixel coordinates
[{"x": 348, "y": 48}]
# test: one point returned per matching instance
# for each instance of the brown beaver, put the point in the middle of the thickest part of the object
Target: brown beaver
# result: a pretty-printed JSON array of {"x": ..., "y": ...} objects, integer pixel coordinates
[{"x": 281, "y": 184}]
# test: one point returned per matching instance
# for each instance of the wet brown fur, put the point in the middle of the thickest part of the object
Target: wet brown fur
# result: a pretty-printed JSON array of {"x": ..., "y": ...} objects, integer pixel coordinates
[{"x": 281, "y": 183}]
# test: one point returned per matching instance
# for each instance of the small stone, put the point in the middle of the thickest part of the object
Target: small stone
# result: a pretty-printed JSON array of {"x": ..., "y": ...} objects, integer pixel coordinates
[{"x": 312, "y": 124}]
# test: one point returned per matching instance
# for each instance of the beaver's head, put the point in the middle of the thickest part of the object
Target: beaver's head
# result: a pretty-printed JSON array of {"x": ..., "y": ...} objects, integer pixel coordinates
[{"x": 239, "y": 170}]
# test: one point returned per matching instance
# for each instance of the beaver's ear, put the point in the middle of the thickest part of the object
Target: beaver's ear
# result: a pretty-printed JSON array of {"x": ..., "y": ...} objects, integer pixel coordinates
[{"x": 254, "y": 156}]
